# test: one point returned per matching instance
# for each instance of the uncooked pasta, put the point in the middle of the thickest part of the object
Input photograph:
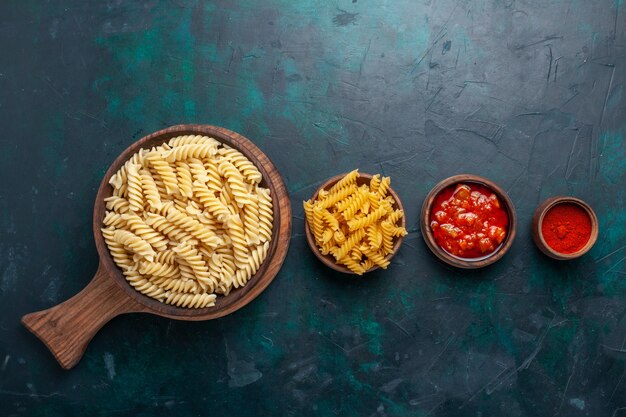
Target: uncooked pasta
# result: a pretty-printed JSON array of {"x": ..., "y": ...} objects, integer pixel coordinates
[
  {"x": 356, "y": 225},
  {"x": 188, "y": 220}
]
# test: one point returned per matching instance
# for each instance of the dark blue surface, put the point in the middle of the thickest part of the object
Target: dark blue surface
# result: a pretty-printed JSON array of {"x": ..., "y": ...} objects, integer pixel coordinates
[{"x": 527, "y": 93}]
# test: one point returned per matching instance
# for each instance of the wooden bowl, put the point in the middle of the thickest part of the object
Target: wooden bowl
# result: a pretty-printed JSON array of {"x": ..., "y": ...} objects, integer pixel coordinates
[
  {"x": 445, "y": 256},
  {"x": 537, "y": 222},
  {"x": 67, "y": 328},
  {"x": 329, "y": 260}
]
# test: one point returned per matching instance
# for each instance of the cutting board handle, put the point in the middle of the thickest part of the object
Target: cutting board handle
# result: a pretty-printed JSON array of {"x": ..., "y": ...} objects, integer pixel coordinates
[{"x": 67, "y": 328}]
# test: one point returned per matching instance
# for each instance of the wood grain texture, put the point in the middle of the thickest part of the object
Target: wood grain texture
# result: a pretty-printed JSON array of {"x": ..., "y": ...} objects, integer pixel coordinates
[
  {"x": 537, "y": 222},
  {"x": 329, "y": 260},
  {"x": 442, "y": 254},
  {"x": 109, "y": 294},
  {"x": 67, "y": 328}
]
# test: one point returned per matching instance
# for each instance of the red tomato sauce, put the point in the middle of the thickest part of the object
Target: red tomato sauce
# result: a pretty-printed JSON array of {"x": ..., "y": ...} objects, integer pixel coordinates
[{"x": 468, "y": 220}]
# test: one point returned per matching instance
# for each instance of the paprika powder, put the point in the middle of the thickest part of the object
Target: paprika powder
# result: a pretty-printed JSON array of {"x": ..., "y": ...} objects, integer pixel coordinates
[{"x": 566, "y": 228}]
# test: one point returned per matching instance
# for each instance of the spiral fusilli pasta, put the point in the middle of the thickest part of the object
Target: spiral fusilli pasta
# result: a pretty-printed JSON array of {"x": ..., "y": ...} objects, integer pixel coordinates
[
  {"x": 165, "y": 171},
  {"x": 242, "y": 163},
  {"x": 184, "y": 152},
  {"x": 187, "y": 220},
  {"x": 257, "y": 255},
  {"x": 355, "y": 224},
  {"x": 266, "y": 214},
  {"x": 235, "y": 183}
]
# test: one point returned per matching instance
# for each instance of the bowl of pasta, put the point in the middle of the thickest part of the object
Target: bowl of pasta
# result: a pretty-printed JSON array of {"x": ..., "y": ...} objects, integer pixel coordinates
[
  {"x": 191, "y": 223},
  {"x": 355, "y": 223}
]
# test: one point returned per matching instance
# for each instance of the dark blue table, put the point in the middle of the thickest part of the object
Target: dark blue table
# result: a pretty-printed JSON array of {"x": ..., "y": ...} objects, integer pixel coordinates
[{"x": 527, "y": 93}]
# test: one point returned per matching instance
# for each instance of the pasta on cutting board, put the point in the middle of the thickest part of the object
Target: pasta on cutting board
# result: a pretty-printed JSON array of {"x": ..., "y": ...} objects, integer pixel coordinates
[{"x": 188, "y": 220}]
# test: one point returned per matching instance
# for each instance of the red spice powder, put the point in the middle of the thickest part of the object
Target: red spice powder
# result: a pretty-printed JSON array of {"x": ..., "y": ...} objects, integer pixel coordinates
[{"x": 566, "y": 227}]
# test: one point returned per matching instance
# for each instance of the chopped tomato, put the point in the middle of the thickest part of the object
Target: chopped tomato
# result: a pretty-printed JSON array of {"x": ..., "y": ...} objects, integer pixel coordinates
[{"x": 468, "y": 221}]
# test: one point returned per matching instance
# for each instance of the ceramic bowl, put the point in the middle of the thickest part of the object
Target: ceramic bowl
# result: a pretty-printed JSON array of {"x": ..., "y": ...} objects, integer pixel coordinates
[
  {"x": 445, "y": 256},
  {"x": 537, "y": 222},
  {"x": 329, "y": 260}
]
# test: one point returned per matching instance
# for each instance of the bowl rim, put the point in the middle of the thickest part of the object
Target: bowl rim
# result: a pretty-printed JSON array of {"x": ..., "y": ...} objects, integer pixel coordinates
[
  {"x": 328, "y": 260},
  {"x": 281, "y": 229},
  {"x": 443, "y": 255},
  {"x": 537, "y": 224}
]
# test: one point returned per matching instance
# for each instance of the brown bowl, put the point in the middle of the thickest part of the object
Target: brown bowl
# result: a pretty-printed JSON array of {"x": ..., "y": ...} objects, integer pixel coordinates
[
  {"x": 445, "y": 256},
  {"x": 329, "y": 260},
  {"x": 538, "y": 221},
  {"x": 67, "y": 328}
]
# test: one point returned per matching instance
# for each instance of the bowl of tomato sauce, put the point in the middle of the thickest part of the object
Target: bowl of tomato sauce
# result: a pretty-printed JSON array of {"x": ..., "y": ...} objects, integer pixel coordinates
[{"x": 468, "y": 221}]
